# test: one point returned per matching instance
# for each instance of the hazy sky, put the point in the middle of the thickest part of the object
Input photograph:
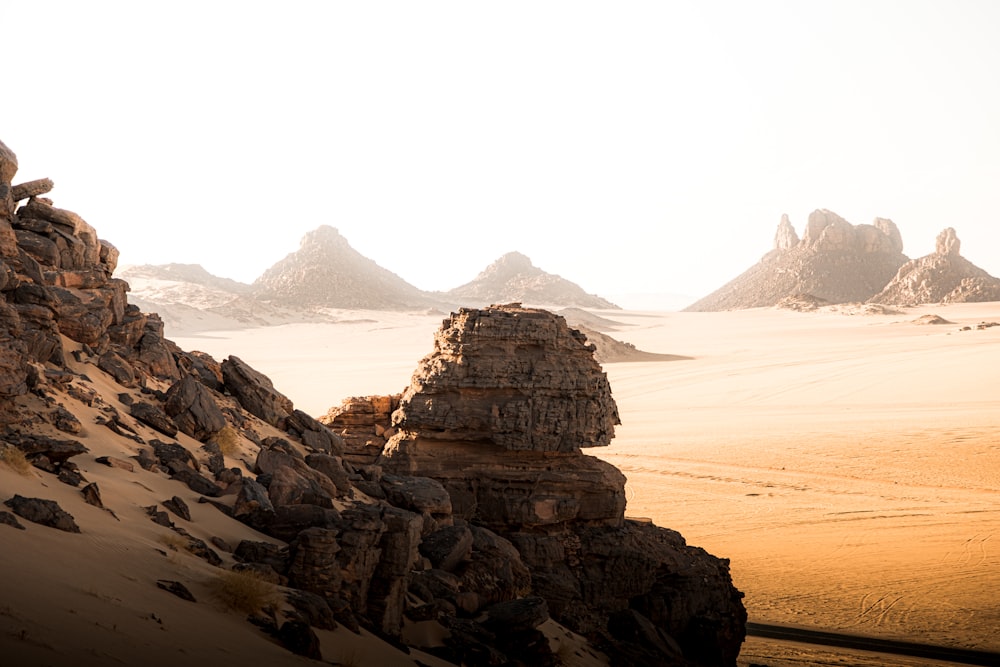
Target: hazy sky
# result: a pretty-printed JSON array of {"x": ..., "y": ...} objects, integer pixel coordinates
[{"x": 627, "y": 146}]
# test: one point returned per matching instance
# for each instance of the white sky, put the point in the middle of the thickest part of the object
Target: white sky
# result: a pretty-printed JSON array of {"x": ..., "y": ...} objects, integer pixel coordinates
[{"x": 627, "y": 146}]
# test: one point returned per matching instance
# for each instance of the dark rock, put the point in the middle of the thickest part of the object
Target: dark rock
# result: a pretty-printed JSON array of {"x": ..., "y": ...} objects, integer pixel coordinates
[
  {"x": 178, "y": 507},
  {"x": 177, "y": 588},
  {"x": 193, "y": 409},
  {"x": 516, "y": 615},
  {"x": 333, "y": 468},
  {"x": 314, "y": 434},
  {"x": 159, "y": 517},
  {"x": 117, "y": 367},
  {"x": 300, "y": 639},
  {"x": 92, "y": 495},
  {"x": 173, "y": 455},
  {"x": 197, "y": 483},
  {"x": 417, "y": 494},
  {"x": 448, "y": 547},
  {"x": 154, "y": 416},
  {"x": 252, "y": 499},
  {"x": 249, "y": 551},
  {"x": 313, "y": 564},
  {"x": 44, "y": 512},
  {"x": 221, "y": 544},
  {"x": 56, "y": 451},
  {"x": 9, "y": 519},
  {"x": 199, "y": 547},
  {"x": 255, "y": 392},
  {"x": 312, "y": 609},
  {"x": 70, "y": 476},
  {"x": 113, "y": 462}
]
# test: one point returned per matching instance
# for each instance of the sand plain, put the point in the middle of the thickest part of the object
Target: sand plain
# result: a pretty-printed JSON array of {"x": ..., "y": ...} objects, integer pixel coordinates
[{"x": 847, "y": 463}]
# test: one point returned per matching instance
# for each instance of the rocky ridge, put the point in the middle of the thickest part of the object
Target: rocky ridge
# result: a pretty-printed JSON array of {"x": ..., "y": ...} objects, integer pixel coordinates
[
  {"x": 834, "y": 261},
  {"x": 91, "y": 389},
  {"x": 944, "y": 276},
  {"x": 513, "y": 278}
]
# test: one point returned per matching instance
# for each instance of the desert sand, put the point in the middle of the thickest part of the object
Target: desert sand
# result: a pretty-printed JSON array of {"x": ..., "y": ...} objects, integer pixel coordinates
[{"x": 847, "y": 463}]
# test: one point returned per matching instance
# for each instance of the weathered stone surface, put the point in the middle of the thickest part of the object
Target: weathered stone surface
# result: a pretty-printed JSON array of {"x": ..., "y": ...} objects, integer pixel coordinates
[
  {"x": 8, "y": 519},
  {"x": 300, "y": 639},
  {"x": 314, "y": 434},
  {"x": 92, "y": 495},
  {"x": 115, "y": 462},
  {"x": 177, "y": 588},
  {"x": 364, "y": 423},
  {"x": 251, "y": 499},
  {"x": 197, "y": 482},
  {"x": 313, "y": 564},
  {"x": 55, "y": 450},
  {"x": 514, "y": 615},
  {"x": 177, "y": 505},
  {"x": 333, "y": 468},
  {"x": 44, "y": 512},
  {"x": 292, "y": 481},
  {"x": 193, "y": 409},
  {"x": 834, "y": 261},
  {"x": 941, "y": 277},
  {"x": 173, "y": 455},
  {"x": 531, "y": 384},
  {"x": 313, "y": 609},
  {"x": 417, "y": 494},
  {"x": 153, "y": 415},
  {"x": 447, "y": 547},
  {"x": 255, "y": 392}
]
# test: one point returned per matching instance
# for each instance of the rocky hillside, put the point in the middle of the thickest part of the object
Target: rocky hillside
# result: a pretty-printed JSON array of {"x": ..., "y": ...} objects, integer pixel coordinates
[
  {"x": 834, "y": 261},
  {"x": 944, "y": 276},
  {"x": 513, "y": 278},
  {"x": 162, "y": 507},
  {"x": 327, "y": 272}
]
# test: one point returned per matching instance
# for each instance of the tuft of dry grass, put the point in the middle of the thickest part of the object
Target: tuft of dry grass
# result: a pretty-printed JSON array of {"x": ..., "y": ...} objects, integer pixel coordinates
[
  {"x": 15, "y": 459},
  {"x": 246, "y": 592},
  {"x": 228, "y": 440}
]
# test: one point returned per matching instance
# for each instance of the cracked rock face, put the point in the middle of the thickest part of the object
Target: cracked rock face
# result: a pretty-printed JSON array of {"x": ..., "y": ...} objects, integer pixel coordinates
[{"x": 517, "y": 378}]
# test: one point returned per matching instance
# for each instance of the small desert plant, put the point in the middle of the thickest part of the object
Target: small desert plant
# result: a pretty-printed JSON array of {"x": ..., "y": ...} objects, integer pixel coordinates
[
  {"x": 244, "y": 591},
  {"x": 175, "y": 542},
  {"x": 228, "y": 440},
  {"x": 15, "y": 458}
]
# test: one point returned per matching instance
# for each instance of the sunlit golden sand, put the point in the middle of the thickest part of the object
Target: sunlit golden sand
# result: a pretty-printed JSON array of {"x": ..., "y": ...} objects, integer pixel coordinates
[{"x": 849, "y": 465}]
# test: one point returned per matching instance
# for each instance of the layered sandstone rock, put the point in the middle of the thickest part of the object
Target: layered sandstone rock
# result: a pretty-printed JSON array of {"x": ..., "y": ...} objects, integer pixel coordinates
[
  {"x": 834, "y": 261},
  {"x": 944, "y": 276},
  {"x": 499, "y": 413}
]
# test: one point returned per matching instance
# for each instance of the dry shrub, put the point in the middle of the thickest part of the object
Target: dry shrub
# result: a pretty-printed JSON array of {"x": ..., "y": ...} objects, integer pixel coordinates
[
  {"x": 175, "y": 541},
  {"x": 246, "y": 591},
  {"x": 228, "y": 440},
  {"x": 15, "y": 459}
]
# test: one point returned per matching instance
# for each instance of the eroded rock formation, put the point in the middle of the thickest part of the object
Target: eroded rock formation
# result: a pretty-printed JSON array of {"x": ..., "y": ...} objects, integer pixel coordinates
[
  {"x": 834, "y": 261},
  {"x": 944, "y": 276},
  {"x": 486, "y": 518},
  {"x": 499, "y": 413}
]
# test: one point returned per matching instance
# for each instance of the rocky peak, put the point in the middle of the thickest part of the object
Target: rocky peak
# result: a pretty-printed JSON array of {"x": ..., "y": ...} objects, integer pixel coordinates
[
  {"x": 513, "y": 278},
  {"x": 785, "y": 237},
  {"x": 834, "y": 261},
  {"x": 327, "y": 272},
  {"x": 944, "y": 276},
  {"x": 947, "y": 243}
]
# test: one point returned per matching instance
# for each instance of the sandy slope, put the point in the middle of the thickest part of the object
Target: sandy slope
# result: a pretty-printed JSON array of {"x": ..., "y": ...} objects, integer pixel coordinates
[{"x": 848, "y": 465}]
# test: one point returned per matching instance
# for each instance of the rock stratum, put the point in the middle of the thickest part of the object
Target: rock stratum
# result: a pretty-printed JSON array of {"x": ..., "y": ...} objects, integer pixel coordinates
[
  {"x": 834, "y": 261},
  {"x": 944, "y": 276},
  {"x": 207, "y": 471}
]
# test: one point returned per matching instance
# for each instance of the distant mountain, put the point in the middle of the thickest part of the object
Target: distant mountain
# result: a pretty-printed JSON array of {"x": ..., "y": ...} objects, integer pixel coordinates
[
  {"x": 194, "y": 274},
  {"x": 327, "y": 272},
  {"x": 834, "y": 261},
  {"x": 513, "y": 278},
  {"x": 943, "y": 276}
]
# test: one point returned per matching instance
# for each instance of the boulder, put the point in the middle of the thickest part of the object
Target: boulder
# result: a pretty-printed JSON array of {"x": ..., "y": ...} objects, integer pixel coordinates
[
  {"x": 193, "y": 409},
  {"x": 44, "y": 512},
  {"x": 255, "y": 392}
]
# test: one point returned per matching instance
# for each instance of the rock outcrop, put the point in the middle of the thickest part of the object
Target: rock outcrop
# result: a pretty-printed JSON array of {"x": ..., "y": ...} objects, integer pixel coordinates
[
  {"x": 498, "y": 414},
  {"x": 481, "y": 516},
  {"x": 834, "y": 261},
  {"x": 513, "y": 278},
  {"x": 327, "y": 272},
  {"x": 944, "y": 276}
]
